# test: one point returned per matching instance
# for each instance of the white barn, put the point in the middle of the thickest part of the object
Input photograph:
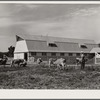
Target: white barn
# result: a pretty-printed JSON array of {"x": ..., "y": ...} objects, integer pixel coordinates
[{"x": 33, "y": 46}]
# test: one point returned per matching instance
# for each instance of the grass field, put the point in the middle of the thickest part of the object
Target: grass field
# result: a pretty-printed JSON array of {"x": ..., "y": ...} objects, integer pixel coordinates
[{"x": 42, "y": 77}]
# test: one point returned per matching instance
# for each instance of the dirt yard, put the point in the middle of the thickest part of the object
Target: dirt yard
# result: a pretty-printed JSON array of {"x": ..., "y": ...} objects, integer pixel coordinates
[{"x": 42, "y": 77}]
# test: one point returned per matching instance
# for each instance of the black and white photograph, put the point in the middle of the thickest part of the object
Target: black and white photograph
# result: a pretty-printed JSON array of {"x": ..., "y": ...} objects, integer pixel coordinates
[{"x": 50, "y": 46}]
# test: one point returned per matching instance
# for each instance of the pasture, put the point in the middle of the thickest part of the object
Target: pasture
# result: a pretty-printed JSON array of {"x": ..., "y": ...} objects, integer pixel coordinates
[{"x": 43, "y": 77}]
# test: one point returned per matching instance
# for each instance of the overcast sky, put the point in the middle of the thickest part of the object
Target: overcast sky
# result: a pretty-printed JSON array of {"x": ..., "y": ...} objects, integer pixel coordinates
[{"x": 60, "y": 20}]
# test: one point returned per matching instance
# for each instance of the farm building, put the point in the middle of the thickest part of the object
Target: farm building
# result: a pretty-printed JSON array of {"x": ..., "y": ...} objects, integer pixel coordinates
[{"x": 45, "y": 47}]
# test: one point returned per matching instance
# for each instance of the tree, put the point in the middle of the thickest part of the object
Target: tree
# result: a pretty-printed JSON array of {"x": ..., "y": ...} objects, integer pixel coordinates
[{"x": 11, "y": 51}]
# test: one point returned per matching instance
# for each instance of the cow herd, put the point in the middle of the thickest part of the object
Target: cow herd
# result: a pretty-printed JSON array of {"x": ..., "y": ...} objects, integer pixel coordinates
[{"x": 59, "y": 63}]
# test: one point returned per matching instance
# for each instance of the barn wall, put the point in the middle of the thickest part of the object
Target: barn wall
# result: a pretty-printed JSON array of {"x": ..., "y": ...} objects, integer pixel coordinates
[
  {"x": 21, "y": 47},
  {"x": 32, "y": 58},
  {"x": 19, "y": 56},
  {"x": 66, "y": 54},
  {"x": 57, "y": 54},
  {"x": 39, "y": 54},
  {"x": 69, "y": 59},
  {"x": 48, "y": 54},
  {"x": 74, "y": 54}
]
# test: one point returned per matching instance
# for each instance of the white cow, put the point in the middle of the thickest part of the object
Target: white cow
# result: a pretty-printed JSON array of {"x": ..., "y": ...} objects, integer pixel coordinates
[
  {"x": 51, "y": 61},
  {"x": 39, "y": 61},
  {"x": 60, "y": 63},
  {"x": 78, "y": 61}
]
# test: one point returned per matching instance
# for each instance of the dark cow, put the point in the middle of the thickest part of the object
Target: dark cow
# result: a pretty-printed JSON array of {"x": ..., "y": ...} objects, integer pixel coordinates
[
  {"x": 3, "y": 60},
  {"x": 19, "y": 62}
]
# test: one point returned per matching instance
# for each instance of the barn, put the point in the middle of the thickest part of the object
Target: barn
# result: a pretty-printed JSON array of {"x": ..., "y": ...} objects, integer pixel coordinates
[{"x": 45, "y": 47}]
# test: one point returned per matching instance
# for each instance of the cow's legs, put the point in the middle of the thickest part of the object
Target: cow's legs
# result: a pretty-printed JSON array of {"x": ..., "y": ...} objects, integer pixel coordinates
[
  {"x": 63, "y": 65},
  {"x": 12, "y": 64},
  {"x": 49, "y": 64},
  {"x": 18, "y": 64},
  {"x": 4, "y": 65},
  {"x": 58, "y": 66}
]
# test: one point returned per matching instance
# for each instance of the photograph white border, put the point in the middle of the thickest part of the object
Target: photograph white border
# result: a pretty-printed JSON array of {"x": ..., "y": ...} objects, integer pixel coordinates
[{"x": 49, "y": 94}]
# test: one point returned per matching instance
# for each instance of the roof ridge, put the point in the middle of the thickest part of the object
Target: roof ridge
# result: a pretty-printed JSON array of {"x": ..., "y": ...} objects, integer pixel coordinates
[
  {"x": 58, "y": 37},
  {"x": 53, "y": 38}
]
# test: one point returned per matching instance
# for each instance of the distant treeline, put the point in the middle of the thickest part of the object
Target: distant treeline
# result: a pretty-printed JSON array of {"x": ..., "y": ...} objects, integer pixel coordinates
[{"x": 3, "y": 53}]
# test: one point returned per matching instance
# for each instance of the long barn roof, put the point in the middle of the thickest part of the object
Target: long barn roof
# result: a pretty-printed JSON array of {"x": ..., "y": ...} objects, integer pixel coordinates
[
  {"x": 39, "y": 44},
  {"x": 57, "y": 39}
]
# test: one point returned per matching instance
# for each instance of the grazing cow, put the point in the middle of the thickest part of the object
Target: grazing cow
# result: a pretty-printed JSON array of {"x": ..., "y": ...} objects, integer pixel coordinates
[
  {"x": 78, "y": 61},
  {"x": 60, "y": 63},
  {"x": 3, "y": 60},
  {"x": 51, "y": 62},
  {"x": 19, "y": 62},
  {"x": 39, "y": 61}
]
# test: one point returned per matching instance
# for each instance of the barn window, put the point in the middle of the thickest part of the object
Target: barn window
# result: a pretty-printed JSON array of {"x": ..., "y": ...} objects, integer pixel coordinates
[
  {"x": 53, "y": 54},
  {"x": 62, "y": 54},
  {"x": 52, "y": 45},
  {"x": 44, "y": 53},
  {"x": 33, "y": 53},
  {"x": 70, "y": 54},
  {"x": 77, "y": 54},
  {"x": 83, "y": 46}
]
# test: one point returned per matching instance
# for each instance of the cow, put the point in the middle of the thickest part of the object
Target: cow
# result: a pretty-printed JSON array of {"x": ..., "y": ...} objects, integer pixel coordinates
[
  {"x": 39, "y": 61},
  {"x": 60, "y": 63},
  {"x": 78, "y": 61},
  {"x": 51, "y": 61},
  {"x": 19, "y": 62},
  {"x": 3, "y": 60}
]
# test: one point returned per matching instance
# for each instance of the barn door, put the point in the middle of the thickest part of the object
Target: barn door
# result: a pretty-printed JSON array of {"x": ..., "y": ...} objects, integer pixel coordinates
[{"x": 25, "y": 56}]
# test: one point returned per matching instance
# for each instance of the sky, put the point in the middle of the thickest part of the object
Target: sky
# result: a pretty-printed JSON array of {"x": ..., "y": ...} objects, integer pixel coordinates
[{"x": 60, "y": 20}]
